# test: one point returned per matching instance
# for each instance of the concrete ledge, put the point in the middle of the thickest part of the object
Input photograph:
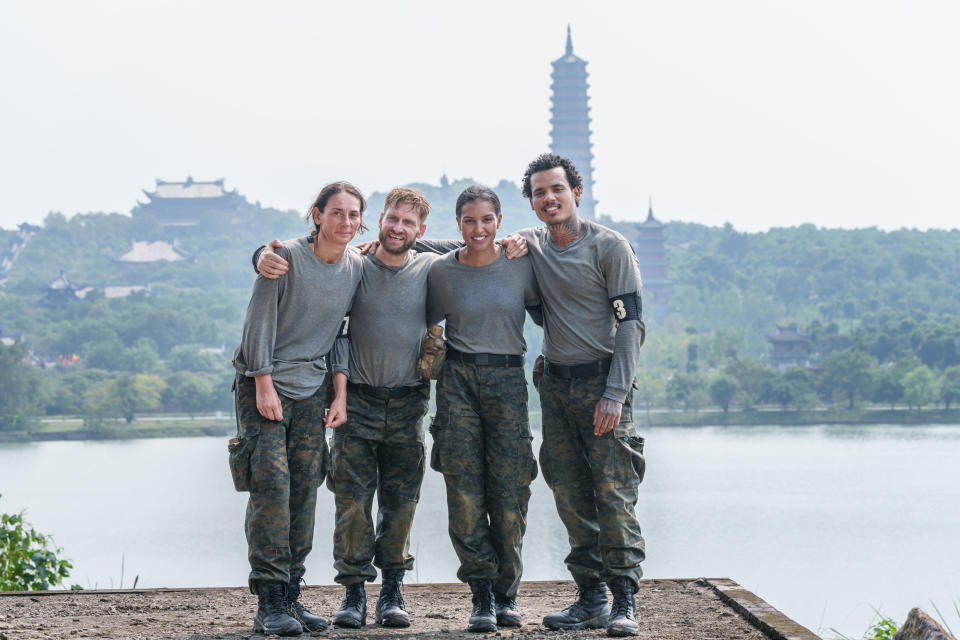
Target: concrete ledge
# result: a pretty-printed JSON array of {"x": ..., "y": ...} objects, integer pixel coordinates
[
  {"x": 772, "y": 622},
  {"x": 677, "y": 609}
]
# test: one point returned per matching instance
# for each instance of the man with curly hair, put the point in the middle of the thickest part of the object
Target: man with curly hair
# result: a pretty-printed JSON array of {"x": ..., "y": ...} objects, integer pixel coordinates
[{"x": 591, "y": 454}]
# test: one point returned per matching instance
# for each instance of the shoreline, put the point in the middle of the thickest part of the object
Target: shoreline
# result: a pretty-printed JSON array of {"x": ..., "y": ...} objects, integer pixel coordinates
[{"x": 653, "y": 419}]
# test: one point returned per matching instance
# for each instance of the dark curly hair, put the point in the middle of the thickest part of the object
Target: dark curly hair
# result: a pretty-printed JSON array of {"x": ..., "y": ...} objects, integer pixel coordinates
[{"x": 545, "y": 162}]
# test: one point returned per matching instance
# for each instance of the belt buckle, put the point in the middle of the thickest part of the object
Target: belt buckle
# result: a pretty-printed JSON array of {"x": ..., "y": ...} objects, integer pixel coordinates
[
  {"x": 482, "y": 359},
  {"x": 381, "y": 393}
]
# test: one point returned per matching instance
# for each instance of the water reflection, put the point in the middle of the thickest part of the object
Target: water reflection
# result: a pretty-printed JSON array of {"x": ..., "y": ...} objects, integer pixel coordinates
[{"x": 824, "y": 522}]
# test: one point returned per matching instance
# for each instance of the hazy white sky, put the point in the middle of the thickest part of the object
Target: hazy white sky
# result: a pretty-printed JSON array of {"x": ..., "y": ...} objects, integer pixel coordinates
[{"x": 761, "y": 113}]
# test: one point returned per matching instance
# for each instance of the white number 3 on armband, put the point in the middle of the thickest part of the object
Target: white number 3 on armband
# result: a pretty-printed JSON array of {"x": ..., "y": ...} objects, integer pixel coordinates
[{"x": 619, "y": 310}]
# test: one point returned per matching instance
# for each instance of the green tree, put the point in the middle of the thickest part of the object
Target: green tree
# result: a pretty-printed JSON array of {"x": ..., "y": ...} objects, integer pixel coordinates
[
  {"x": 802, "y": 384},
  {"x": 950, "y": 386},
  {"x": 19, "y": 387},
  {"x": 99, "y": 406},
  {"x": 191, "y": 357},
  {"x": 651, "y": 390},
  {"x": 28, "y": 559},
  {"x": 751, "y": 376},
  {"x": 848, "y": 373},
  {"x": 690, "y": 390},
  {"x": 779, "y": 391},
  {"x": 141, "y": 357},
  {"x": 191, "y": 392},
  {"x": 888, "y": 386},
  {"x": 722, "y": 391},
  {"x": 140, "y": 392},
  {"x": 919, "y": 387}
]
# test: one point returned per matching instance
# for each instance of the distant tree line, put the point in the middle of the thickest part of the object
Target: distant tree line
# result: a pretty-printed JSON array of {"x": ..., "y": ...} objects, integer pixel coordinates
[{"x": 881, "y": 309}]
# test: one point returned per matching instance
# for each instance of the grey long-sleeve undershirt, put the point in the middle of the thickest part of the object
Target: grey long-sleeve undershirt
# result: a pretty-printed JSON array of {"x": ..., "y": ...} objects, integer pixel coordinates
[{"x": 292, "y": 322}]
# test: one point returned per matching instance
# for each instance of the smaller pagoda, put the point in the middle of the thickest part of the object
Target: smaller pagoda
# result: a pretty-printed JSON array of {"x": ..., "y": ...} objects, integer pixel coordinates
[
  {"x": 652, "y": 257},
  {"x": 183, "y": 204},
  {"x": 61, "y": 291},
  {"x": 790, "y": 348}
]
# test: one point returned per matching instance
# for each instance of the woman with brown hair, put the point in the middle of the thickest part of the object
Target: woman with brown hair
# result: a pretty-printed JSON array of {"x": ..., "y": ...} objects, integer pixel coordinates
[{"x": 291, "y": 324}]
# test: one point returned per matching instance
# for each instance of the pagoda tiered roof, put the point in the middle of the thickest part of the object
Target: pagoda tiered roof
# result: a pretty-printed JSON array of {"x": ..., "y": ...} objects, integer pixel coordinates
[
  {"x": 185, "y": 203},
  {"x": 570, "y": 120}
]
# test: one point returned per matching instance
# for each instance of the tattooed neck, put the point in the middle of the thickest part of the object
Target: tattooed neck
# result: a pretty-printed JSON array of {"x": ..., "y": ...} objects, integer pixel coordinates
[{"x": 564, "y": 233}]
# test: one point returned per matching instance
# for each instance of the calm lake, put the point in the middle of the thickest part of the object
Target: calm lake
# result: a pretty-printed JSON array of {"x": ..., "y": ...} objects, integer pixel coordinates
[{"x": 826, "y": 523}]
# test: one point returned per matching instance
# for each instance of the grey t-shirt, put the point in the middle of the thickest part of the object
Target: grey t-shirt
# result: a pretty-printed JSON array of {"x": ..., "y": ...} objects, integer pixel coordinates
[
  {"x": 484, "y": 306},
  {"x": 576, "y": 284},
  {"x": 388, "y": 321},
  {"x": 292, "y": 322}
]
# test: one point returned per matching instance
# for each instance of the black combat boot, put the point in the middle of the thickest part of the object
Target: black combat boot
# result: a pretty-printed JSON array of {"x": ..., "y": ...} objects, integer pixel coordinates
[
  {"x": 483, "y": 617},
  {"x": 309, "y": 621},
  {"x": 507, "y": 614},
  {"x": 391, "y": 610},
  {"x": 353, "y": 609},
  {"x": 623, "y": 618},
  {"x": 590, "y": 611},
  {"x": 273, "y": 613}
]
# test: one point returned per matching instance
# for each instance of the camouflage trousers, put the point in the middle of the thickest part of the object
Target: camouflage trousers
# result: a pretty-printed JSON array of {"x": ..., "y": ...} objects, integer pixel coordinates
[
  {"x": 482, "y": 445},
  {"x": 594, "y": 479},
  {"x": 379, "y": 450},
  {"x": 287, "y": 464}
]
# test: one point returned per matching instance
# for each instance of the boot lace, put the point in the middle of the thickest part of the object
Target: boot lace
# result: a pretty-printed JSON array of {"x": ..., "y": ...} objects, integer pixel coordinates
[
  {"x": 622, "y": 602},
  {"x": 394, "y": 597},
  {"x": 481, "y": 601},
  {"x": 277, "y": 599},
  {"x": 353, "y": 597}
]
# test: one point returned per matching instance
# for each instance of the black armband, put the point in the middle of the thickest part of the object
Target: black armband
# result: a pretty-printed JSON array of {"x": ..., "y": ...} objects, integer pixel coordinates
[
  {"x": 256, "y": 255},
  {"x": 344, "y": 331},
  {"x": 627, "y": 306}
]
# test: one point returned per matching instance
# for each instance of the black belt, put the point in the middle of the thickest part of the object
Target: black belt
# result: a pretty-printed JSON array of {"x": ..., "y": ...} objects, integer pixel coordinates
[
  {"x": 587, "y": 370},
  {"x": 485, "y": 359},
  {"x": 383, "y": 393}
]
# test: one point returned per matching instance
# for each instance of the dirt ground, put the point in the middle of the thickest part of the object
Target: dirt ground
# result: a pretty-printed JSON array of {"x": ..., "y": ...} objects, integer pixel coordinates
[{"x": 667, "y": 609}]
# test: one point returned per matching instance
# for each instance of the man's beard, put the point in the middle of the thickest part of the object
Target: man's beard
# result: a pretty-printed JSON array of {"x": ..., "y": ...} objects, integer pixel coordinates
[{"x": 401, "y": 249}]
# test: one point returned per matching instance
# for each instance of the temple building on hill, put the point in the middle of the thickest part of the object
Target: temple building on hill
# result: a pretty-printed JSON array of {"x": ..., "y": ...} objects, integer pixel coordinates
[
  {"x": 789, "y": 348},
  {"x": 144, "y": 251},
  {"x": 652, "y": 256},
  {"x": 62, "y": 291},
  {"x": 182, "y": 204},
  {"x": 570, "y": 120}
]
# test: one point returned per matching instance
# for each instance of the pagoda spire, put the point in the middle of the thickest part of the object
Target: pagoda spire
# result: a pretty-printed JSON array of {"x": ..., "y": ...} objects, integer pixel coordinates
[
  {"x": 570, "y": 120},
  {"x": 650, "y": 210}
]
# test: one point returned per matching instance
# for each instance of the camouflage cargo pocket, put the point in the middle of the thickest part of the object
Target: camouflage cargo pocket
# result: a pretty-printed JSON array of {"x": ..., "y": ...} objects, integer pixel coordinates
[
  {"x": 545, "y": 466},
  {"x": 323, "y": 471},
  {"x": 528, "y": 462},
  {"x": 330, "y": 464},
  {"x": 635, "y": 459},
  {"x": 241, "y": 449},
  {"x": 438, "y": 425}
]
